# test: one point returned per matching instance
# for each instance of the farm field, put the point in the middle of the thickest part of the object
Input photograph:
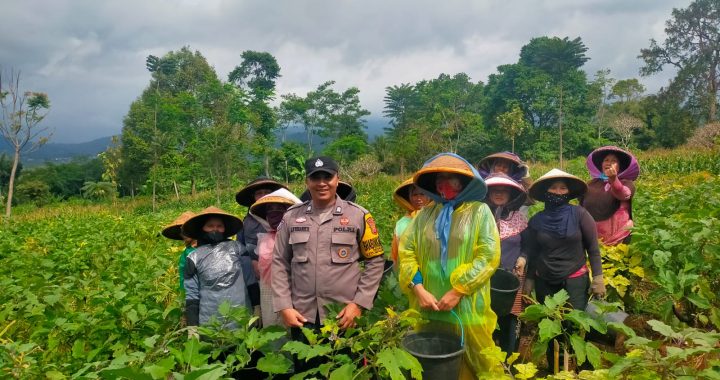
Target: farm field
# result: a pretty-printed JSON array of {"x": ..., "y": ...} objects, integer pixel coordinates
[{"x": 91, "y": 291}]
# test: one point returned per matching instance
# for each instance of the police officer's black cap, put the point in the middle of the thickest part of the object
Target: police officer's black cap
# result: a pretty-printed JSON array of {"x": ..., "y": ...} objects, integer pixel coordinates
[{"x": 321, "y": 164}]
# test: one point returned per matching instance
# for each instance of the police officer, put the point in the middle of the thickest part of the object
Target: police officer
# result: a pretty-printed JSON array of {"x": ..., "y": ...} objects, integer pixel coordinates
[{"x": 318, "y": 249}]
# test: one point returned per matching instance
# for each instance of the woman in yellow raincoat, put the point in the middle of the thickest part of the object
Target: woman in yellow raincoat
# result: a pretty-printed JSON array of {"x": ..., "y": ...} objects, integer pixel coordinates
[
  {"x": 412, "y": 199},
  {"x": 448, "y": 254}
]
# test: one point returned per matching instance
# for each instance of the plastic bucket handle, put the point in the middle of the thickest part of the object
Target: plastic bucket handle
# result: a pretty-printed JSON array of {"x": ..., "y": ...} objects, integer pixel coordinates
[{"x": 462, "y": 329}]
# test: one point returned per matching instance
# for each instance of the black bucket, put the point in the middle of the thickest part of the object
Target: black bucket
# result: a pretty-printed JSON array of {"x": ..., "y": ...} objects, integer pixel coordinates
[
  {"x": 440, "y": 354},
  {"x": 503, "y": 288}
]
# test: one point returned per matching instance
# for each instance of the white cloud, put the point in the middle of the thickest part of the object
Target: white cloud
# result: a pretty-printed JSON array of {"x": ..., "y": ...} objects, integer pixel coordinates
[{"x": 90, "y": 55}]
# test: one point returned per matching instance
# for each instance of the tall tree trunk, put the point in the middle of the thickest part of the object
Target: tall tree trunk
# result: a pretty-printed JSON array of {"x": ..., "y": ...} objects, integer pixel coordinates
[
  {"x": 712, "y": 94},
  {"x": 11, "y": 183},
  {"x": 153, "y": 197},
  {"x": 513, "y": 144},
  {"x": 560, "y": 124},
  {"x": 177, "y": 193},
  {"x": 266, "y": 160}
]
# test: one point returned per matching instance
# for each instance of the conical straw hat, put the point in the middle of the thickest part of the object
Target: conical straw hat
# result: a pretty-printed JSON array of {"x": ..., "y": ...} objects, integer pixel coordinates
[
  {"x": 425, "y": 177},
  {"x": 193, "y": 226},
  {"x": 401, "y": 195},
  {"x": 173, "y": 230},
  {"x": 246, "y": 195},
  {"x": 575, "y": 185},
  {"x": 282, "y": 196}
]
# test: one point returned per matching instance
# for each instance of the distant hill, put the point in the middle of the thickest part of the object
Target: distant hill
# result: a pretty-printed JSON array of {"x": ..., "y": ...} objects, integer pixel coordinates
[
  {"x": 58, "y": 153},
  {"x": 375, "y": 127}
]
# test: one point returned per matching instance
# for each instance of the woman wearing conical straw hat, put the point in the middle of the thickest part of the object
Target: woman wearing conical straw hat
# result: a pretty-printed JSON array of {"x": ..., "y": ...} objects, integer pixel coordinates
[
  {"x": 269, "y": 210},
  {"x": 562, "y": 238},
  {"x": 173, "y": 231},
  {"x": 610, "y": 192},
  {"x": 448, "y": 254},
  {"x": 213, "y": 272},
  {"x": 411, "y": 199},
  {"x": 505, "y": 197}
]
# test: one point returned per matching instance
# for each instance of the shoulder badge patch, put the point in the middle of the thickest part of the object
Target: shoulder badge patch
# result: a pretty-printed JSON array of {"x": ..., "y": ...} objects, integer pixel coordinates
[{"x": 370, "y": 243}]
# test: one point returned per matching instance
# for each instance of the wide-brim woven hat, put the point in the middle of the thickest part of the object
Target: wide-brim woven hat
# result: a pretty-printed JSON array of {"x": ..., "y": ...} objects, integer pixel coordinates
[
  {"x": 628, "y": 165},
  {"x": 401, "y": 195},
  {"x": 246, "y": 195},
  {"x": 446, "y": 163},
  {"x": 518, "y": 194},
  {"x": 576, "y": 186},
  {"x": 174, "y": 229},
  {"x": 280, "y": 196},
  {"x": 485, "y": 162},
  {"x": 193, "y": 226}
]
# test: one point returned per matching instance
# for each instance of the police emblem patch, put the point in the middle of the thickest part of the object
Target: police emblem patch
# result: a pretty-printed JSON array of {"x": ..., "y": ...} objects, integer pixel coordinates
[
  {"x": 343, "y": 253},
  {"x": 371, "y": 223},
  {"x": 344, "y": 221},
  {"x": 319, "y": 163}
]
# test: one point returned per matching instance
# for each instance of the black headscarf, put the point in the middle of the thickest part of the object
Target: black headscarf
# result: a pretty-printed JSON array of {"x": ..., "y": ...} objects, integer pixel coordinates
[{"x": 559, "y": 219}]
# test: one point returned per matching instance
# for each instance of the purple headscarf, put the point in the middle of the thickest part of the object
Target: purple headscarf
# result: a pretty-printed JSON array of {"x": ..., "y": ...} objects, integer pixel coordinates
[{"x": 629, "y": 167}]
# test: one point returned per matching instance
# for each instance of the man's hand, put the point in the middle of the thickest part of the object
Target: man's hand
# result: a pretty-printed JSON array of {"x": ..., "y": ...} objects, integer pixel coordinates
[
  {"x": 426, "y": 299},
  {"x": 449, "y": 300},
  {"x": 348, "y": 314},
  {"x": 292, "y": 318}
]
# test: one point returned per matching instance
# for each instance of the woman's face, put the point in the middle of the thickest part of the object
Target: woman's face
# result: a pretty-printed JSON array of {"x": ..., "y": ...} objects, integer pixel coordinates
[
  {"x": 499, "y": 195},
  {"x": 559, "y": 187},
  {"x": 501, "y": 165},
  {"x": 275, "y": 207},
  {"x": 214, "y": 224},
  {"x": 611, "y": 161},
  {"x": 448, "y": 185},
  {"x": 417, "y": 198}
]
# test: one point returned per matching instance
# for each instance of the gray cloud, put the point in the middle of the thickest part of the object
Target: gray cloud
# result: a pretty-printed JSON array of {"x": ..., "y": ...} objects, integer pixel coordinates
[{"x": 89, "y": 56}]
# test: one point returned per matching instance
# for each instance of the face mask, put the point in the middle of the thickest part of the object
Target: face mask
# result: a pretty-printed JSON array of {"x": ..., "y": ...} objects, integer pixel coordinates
[
  {"x": 554, "y": 200},
  {"x": 448, "y": 189},
  {"x": 274, "y": 218},
  {"x": 213, "y": 237}
]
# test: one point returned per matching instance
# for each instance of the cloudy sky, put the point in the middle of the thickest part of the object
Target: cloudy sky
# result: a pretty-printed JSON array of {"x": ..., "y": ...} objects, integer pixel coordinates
[{"x": 89, "y": 56}]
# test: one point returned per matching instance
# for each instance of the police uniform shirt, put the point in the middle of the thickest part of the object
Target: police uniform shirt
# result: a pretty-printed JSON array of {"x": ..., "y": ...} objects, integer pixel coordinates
[{"x": 317, "y": 255}]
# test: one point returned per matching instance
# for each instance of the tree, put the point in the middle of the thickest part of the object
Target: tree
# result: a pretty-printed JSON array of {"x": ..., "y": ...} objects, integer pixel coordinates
[
  {"x": 256, "y": 74},
  {"x": 22, "y": 113},
  {"x": 514, "y": 123},
  {"x": 692, "y": 47},
  {"x": 598, "y": 95},
  {"x": 6, "y": 164},
  {"x": 625, "y": 125},
  {"x": 627, "y": 90}
]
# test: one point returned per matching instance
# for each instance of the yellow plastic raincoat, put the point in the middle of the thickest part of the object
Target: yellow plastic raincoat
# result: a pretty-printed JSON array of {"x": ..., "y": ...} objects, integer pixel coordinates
[{"x": 473, "y": 255}]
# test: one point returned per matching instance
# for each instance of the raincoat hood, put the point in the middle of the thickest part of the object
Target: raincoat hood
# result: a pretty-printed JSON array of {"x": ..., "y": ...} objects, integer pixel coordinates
[
  {"x": 629, "y": 167},
  {"x": 474, "y": 190},
  {"x": 518, "y": 170},
  {"x": 174, "y": 229}
]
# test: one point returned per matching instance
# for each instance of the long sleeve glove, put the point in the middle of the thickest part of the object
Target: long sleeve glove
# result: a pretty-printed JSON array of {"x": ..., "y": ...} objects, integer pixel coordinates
[
  {"x": 192, "y": 312},
  {"x": 598, "y": 286}
]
